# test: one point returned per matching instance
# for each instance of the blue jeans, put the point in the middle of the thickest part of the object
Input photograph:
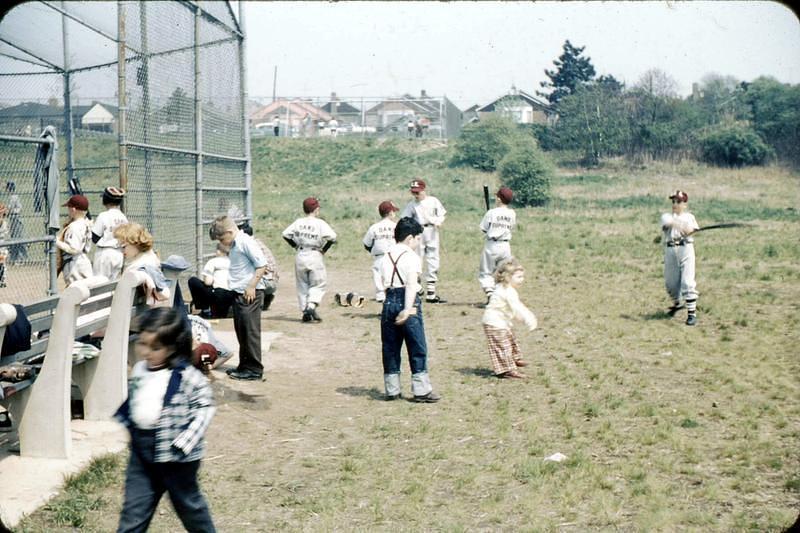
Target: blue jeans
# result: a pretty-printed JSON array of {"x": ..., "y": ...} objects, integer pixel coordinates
[
  {"x": 146, "y": 482},
  {"x": 393, "y": 336}
]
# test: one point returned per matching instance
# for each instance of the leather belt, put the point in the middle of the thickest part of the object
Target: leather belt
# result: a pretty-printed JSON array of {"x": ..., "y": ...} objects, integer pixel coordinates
[{"x": 678, "y": 243}]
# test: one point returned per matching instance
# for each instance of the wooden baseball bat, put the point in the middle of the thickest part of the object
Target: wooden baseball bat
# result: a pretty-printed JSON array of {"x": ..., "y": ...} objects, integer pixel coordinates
[
  {"x": 723, "y": 225},
  {"x": 486, "y": 196}
]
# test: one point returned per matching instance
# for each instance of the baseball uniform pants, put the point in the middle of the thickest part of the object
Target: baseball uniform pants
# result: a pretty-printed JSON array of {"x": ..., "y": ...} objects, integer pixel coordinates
[
  {"x": 79, "y": 267},
  {"x": 679, "y": 272},
  {"x": 430, "y": 254},
  {"x": 493, "y": 253},
  {"x": 108, "y": 262},
  {"x": 311, "y": 278}
]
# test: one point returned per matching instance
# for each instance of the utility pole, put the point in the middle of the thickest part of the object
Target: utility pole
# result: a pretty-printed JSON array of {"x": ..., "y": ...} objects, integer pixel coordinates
[{"x": 274, "y": 82}]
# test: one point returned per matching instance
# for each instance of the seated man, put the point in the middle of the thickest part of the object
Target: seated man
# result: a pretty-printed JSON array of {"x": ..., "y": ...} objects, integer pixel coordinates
[{"x": 210, "y": 292}]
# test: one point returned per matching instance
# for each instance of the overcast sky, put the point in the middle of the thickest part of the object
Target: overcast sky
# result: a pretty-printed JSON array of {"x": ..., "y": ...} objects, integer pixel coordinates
[{"x": 474, "y": 51}]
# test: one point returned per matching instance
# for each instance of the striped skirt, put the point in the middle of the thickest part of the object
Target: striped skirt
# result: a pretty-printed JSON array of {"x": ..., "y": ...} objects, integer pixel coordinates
[{"x": 503, "y": 349}]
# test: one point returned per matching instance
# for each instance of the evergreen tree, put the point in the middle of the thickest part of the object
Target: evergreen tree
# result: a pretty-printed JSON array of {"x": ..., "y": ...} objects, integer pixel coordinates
[{"x": 571, "y": 72}]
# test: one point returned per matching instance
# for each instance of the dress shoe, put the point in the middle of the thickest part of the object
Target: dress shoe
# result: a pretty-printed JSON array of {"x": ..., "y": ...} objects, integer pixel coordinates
[
  {"x": 431, "y": 397},
  {"x": 435, "y": 300},
  {"x": 245, "y": 375},
  {"x": 691, "y": 320},
  {"x": 392, "y": 397},
  {"x": 307, "y": 316},
  {"x": 314, "y": 315}
]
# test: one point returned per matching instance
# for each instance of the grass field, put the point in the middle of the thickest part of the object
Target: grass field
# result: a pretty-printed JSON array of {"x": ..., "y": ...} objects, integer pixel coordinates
[{"x": 666, "y": 427}]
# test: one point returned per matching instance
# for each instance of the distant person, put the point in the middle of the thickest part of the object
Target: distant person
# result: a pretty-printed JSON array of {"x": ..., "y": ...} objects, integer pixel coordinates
[
  {"x": 210, "y": 292},
  {"x": 108, "y": 257},
  {"x": 75, "y": 241},
  {"x": 276, "y": 125},
  {"x": 679, "y": 263},
  {"x": 307, "y": 125},
  {"x": 311, "y": 237},
  {"x": 169, "y": 407},
  {"x": 18, "y": 252},
  {"x": 418, "y": 129},
  {"x": 503, "y": 308},
  {"x": 377, "y": 241},
  {"x": 411, "y": 126},
  {"x": 333, "y": 126}
]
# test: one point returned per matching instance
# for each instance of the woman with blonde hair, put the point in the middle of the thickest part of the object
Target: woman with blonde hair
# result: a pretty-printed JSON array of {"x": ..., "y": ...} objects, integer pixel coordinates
[
  {"x": 503, "y": 308},
  {"x": 137, "y": 248}
]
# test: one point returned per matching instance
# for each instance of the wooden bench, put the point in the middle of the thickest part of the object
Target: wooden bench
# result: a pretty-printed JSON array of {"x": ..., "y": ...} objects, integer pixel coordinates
[{"x": 41, "y": 406}]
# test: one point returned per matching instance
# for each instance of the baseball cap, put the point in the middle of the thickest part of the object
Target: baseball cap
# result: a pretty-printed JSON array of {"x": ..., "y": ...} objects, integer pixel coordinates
[
  {"x": 680, "y": 196},
  {"x": 386, "y": 207},
  {"x": 204, "y": 356},
  {"x": 505, "y": 194},
  {"x": 417, "y": 185},
  {"x": 78, "y": 201},
  {"x": 309, "y": 204}
]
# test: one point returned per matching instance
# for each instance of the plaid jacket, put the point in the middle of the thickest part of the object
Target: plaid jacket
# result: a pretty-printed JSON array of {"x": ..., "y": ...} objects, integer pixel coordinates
[{"x": 187, "y": 411}]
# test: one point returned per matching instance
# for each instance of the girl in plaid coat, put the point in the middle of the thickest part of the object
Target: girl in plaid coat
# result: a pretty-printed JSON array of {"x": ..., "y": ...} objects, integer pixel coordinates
[
  {"x": 504, "y": 306},
  {"x": 167, "y": 412}
]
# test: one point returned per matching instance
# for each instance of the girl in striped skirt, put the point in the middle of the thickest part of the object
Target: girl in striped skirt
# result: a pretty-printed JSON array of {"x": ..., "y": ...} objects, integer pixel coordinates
[{"x": 504, "y": 306}]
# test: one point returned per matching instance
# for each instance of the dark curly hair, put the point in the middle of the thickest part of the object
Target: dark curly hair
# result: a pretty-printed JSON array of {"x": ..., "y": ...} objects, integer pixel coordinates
[{"x": 172, "y": 330}]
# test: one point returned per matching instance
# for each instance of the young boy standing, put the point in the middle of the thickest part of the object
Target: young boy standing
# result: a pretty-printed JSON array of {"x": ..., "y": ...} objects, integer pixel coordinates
[
  {"x": 677, "y": 228},
  {"x": 378, "y": 239},
  {"x": 401, "y": 317},
  {"x": 247, "y": 267},
  {"x": 496, "y": 225},
  {"x": 429, "y": 212},
  {"x": 108, "y": 257},
  {"x": 75, "y": 241},
  {"x": 311, "y": 237}
]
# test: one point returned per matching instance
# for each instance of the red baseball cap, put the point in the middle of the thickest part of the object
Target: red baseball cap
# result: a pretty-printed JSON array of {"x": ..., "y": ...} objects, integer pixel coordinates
[
  {"x": 680, "y": 196},
  {"x": 78, "y": 201},
  {"x": 386, "y": 207},
  {"x": 309, "y": 204},
  {"x": 417, "y": 185},
  {"x": 505, "y": 194}
]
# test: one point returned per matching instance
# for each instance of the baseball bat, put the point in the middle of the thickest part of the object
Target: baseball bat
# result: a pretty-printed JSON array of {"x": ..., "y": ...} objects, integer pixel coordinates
[
  {"x": 723, "y": 225},
  {"x": 486, "y": 196}
]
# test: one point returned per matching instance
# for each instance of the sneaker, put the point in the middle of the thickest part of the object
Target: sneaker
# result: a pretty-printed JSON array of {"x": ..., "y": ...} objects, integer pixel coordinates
[
  {"x": 307, "y": 316},
  {"x": 431, "y": 397},
  {"x": 392, "y": 397},
  {"x": 435, "y": 299},
  {"x": 677, "y": 306},
  {"x": 314, "y": 315},
  {"x": 691, "y": 320},
  {"x": 245, "y": 375}
]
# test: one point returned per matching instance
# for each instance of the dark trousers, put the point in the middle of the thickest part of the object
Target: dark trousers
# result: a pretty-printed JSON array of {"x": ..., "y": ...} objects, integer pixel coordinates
[
  {"x": 146, "y": 482},
  {"x": 205, "y": 297},
  {"x": 247, "y": 323},
  {"x": 393, "y": 336}
]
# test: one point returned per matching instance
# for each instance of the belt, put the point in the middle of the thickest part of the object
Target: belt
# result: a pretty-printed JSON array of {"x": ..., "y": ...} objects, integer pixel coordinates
[
  {"x": 427, "y": 225},
  {"x": 678, "y": 243},
  {"x": 304, "y": 248},
  {"x": 499, "y": 240}
]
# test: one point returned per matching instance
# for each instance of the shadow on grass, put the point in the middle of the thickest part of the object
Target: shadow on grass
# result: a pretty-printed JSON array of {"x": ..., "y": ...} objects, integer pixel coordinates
[
  {"x": 372, "y": 393},
  {"x": 366, "y": 314},
  {"x": 480, "y": 372}
]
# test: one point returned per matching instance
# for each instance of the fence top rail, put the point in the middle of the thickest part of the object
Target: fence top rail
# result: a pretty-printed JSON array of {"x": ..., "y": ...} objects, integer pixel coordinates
[{"x": 20, "y": 139}]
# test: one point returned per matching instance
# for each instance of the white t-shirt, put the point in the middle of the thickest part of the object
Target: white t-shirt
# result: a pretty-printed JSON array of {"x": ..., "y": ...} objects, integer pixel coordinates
[
  {"x": 104, "y": 225},
  {"x": 78, "y": 236},
  {"x": 681, "y": 224},
  {"x": 426, "y": 212},
  {"x": 217, "y": 269},
  {"x": 309, "y": 233},
  {"x": 148, "y": 398},
  {"x": 504, "y": 306},
  {"x": 408, "y": 264},
  {"x": 497, "y": 223},
  {"x": 380, "y": 236}
]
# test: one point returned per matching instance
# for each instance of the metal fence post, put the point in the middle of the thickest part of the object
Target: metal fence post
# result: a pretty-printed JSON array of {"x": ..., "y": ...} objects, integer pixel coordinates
[
  {"x": 198, "y": 146},
  {"x": 248, "y": 177},
  {"x": 122, "y": 101},
  {"x": 145, "y": 82}
]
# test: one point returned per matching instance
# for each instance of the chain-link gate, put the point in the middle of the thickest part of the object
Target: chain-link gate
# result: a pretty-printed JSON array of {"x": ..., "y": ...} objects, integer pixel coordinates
[{"x": 147, "y": 96}]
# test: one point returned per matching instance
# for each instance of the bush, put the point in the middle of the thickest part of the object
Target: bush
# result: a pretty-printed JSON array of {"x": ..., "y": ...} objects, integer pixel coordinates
[
  {"x": 527, "y": 171},
  {"x": 484, "y": 144},
  {"x": 734, "y": 146}
]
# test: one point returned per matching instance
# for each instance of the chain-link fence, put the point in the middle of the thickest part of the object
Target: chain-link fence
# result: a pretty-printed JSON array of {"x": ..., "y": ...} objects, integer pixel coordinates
[
  {"x": 147, "y": 96},
  {"x": 423, "y": 116}
]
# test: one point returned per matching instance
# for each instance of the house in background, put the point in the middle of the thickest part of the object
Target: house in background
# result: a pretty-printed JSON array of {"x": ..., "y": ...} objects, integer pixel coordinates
[
  {"x": 471, "y": 114},
  {"x": 97, "y": 117},
  {"x": 439, "y": 113},
  {"x": 289, "y": 112},
  {"x": 30, "y": 118},
  {"x": 344, "y": 112},
  {"x": 520, "y": 107}
]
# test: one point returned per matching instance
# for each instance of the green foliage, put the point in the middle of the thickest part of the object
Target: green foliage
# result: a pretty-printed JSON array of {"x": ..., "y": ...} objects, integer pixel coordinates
[
  {"x": 571, "y": 72},
  {"x": 734, "y": 146},
  {"x": 484, "y": 144},
  {"x": 527, "y": 171},
  {"x": 775, "y": 115}
]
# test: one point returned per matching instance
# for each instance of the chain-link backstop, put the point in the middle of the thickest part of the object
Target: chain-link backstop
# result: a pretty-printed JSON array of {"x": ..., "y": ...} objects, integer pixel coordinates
[{"x": 148, "y": 96}]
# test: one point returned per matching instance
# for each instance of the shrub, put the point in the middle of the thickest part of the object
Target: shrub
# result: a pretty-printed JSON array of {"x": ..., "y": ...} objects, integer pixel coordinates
[
  {"x": 734, "y": 146},
  {"x": 527, "y": 171},
  {"x": 483, "y": 144}
]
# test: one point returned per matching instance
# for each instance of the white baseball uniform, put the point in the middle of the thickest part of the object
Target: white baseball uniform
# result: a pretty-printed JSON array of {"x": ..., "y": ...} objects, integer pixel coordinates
[
  {"x": 679, "y": 257},
  {"x": 311, "y": 279},
  {"x": 497, "y": 224},
  {"x": 379, "y": 238},
  {"x": 108, "y": 258},
  {"x": 76, "y": 243},
  {"x": 430, "y": 213}
]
